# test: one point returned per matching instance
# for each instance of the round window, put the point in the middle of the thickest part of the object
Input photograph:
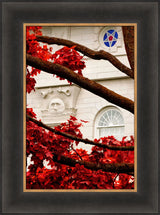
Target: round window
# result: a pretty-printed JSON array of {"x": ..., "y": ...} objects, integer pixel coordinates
[{"x": 110, "y": 38}]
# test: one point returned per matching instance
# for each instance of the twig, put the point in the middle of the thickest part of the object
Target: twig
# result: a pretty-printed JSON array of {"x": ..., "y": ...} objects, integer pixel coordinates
[{"x": 76, "y": 152}]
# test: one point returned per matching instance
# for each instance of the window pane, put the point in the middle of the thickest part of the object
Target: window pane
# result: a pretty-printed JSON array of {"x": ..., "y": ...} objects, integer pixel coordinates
[
  {"x": 117, "y": 132},
  {"x": 113, "y": 124}
]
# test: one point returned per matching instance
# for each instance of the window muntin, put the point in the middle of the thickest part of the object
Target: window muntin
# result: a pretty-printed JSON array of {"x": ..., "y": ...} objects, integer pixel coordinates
[{"x": 111, "y": 123}]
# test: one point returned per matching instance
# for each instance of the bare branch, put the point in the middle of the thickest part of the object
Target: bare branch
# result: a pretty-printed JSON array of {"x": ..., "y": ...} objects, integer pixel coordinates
[
  {"x": 97, "y": 55},
  {"x": 83, "y": 82},
  {"x": 87, "y": 141}
]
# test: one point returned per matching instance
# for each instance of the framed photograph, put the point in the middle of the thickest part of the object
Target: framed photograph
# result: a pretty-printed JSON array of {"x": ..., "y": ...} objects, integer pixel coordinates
[
  {"x": 92, "y": 126},
  {"x": 79, "y": 116}
]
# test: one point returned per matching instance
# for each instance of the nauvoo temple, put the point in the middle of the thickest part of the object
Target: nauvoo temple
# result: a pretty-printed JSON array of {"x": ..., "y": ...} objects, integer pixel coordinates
[{"x": 55, "y": 100}]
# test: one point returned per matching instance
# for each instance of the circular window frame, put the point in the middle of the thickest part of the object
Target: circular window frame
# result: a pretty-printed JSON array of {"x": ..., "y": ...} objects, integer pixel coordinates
[{"x": 102, "y": 33}]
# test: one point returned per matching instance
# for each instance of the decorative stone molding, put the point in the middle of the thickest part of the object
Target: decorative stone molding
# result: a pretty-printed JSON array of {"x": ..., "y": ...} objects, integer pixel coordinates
[
  {"x": 66, "y": 91},
  {"x": 55, "y": 117},
  {"x": 58, "y": 103},
  {"x": 44, "y": 93}
]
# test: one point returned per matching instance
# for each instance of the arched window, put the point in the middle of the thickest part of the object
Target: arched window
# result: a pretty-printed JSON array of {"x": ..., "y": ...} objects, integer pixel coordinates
[{"x": 110, "y": 123}]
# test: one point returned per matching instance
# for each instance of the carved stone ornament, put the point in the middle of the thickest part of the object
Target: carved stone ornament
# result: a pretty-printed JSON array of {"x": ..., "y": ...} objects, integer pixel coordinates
[
  {"x": 44, "y": 93},
  {"x": 56, "y": 105},
  {"x": 66, "y": 91}
]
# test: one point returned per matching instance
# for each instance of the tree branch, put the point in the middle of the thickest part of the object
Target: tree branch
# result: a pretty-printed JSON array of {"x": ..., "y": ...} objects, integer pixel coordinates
[
  {"x": 128, "y": 33},
  {"x": 114, "y": 167},
  {"x": 97, "y": 55},
  {"x": 83, "y": 82},
  {"x": 87, "y": 141},
  {"x": 76, "y": 152}
]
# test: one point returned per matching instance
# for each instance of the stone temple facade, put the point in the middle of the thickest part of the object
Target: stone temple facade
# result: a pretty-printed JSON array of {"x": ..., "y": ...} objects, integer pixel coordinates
[{"x": 54, "y": 101}]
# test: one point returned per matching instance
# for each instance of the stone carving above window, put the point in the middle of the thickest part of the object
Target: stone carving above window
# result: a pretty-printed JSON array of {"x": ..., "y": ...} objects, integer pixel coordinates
[
  {"x": 66, "y": 91},
  {"x": 44, "y": 93},
  {"x": 56, "y": 105}
]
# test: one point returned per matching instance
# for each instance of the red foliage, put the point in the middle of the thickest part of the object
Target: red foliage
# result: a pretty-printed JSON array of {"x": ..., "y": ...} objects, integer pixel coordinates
[
  {"x": 30, "y": 82},
  {"x": 69, "y": 58},
  {"x": 43, "y": 145},
  {"x": 103, "y": 155},
  {"x": 35, "y": 49}
]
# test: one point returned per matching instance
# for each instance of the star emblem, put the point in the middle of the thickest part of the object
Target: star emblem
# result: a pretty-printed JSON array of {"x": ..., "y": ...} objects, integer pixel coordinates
[{"x": 110, "y": 38}]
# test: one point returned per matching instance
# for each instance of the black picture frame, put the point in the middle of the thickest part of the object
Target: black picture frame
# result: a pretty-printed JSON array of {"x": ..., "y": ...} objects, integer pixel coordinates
[{"x": 14, "y": 14}]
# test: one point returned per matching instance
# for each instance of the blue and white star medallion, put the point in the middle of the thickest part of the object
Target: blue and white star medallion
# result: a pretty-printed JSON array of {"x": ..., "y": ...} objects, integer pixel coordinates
[{"x": 110, "y": 38}]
